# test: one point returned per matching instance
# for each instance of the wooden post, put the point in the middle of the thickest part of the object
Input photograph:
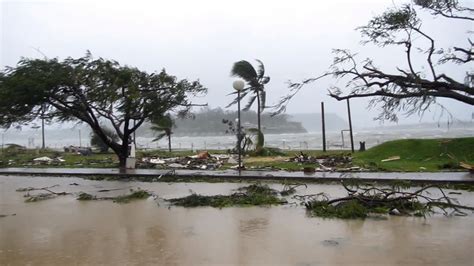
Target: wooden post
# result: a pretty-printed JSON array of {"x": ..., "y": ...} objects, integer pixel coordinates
[
  {"x": 323, "y": 126},
  {"x": 350, "y": 125}
]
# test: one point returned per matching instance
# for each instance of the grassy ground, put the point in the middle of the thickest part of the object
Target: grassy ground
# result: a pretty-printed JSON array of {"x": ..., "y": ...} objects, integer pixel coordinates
[
  {"x": 428, "y": 155},
  {"x": 22, "y": 158},
  {"x": 418, "y": 155}
]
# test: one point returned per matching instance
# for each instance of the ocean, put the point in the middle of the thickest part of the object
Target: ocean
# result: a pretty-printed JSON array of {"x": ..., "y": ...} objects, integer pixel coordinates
[{"x": 57, "y": 139}]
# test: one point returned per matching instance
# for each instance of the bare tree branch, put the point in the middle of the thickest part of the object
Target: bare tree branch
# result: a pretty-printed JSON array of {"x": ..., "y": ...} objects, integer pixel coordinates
[{"x": 409, "y": 91}]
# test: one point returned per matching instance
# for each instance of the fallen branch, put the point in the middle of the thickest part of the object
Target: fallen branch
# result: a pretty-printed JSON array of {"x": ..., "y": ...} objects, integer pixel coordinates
[
  {"x": 113, "y": 189},
  {"x": 41, "y": 196},
  {"x": 138, "y": 194},
  {"x": 289, "y": 189},
  {"x": 32, "y": 188},
  {"x": 363, "y": 200},
  {"x": 252, "y": 195}
]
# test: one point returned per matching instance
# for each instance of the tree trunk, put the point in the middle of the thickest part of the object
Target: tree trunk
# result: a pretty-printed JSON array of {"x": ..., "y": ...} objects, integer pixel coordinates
[
  {"x": 124, "y": 147},
  {"x": 169, "y": 142},
  {"x": 119, "y": 149},
  {"x": 260, "y": 133},
  {"x": 122, "y": 161},
  {"x": 258, "y": 112}
]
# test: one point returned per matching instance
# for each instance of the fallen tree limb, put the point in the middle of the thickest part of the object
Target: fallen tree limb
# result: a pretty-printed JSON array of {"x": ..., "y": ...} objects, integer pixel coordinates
[
  {"x": 363, "y": 200},
  {"x": 137, "y": 194},
  {"x": 41, "y": 196}
]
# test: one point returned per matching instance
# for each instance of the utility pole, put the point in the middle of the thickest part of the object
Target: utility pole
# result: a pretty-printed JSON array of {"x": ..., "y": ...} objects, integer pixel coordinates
[
  {"x": 42, "y": 133},
  {"x": 323, "y": 126},
  {"x": 43, "y": 145},
  {"x": 350, "y": 124},
  {"x": 80, "y": 139}
]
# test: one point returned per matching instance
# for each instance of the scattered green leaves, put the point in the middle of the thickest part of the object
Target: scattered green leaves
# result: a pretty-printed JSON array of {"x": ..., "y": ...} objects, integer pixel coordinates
[{"x": 252, "y": 195}]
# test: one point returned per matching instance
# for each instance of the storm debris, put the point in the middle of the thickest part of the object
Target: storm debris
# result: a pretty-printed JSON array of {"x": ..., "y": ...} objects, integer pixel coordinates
[
  {"x": 46, "y": 193},
  {"x": 289, "y": 189},
  {"x": 252, "y": 195},
  {"x": 126, "y": 198},
  {"x": 201, "y": 161},
  {"x": 48, "y": 160},
  {"x": 86, "y": 151},
  {"x": 392, "y": 158},
  {"x": 365, "y": 200},
  {"x": 6, "y": 215},
  {"x": 334, "y": 162}
]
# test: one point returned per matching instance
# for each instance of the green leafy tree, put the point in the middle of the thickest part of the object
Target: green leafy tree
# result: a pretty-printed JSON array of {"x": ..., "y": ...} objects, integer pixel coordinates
[
  {"x": 256, "y": 81},
  {"x": 92, "y": 91},
  {"x": 97, "y": 142},
  {"x": 416, "y": 85},
  {"x": 163, "y": 124}
]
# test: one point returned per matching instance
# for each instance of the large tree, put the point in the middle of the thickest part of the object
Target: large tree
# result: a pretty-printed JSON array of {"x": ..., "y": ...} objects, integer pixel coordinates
[
  {"x": 93, "y": 91},
  {"x": 417, "y": 84}
]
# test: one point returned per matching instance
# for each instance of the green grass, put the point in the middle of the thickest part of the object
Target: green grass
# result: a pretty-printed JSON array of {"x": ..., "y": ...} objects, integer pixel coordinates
[
  {"x": 428, "y": 155},
  {"x": 24, "y": 158},
  {"x": 418, "y": 155}
]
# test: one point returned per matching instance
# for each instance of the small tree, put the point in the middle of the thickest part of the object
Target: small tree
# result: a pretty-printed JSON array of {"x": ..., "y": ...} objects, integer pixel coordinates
[
  {"x": 97, "y": 142},
  {"x": 91, "y": 91},
  {"x": 163, "y": 124}
]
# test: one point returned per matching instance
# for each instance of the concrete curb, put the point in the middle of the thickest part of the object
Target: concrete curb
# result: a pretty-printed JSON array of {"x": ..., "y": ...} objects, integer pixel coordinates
[{"x": 439, "y": 177}]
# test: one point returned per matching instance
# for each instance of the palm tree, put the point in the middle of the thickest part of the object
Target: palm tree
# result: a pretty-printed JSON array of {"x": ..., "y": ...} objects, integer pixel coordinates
[
  {"x": 163, "y": 124},
  {"x": 256, "y": 81}
]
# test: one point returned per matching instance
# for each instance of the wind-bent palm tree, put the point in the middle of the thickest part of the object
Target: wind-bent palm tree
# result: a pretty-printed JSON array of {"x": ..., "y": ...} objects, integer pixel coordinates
[
  {"x": 256, "y": 81},
  {"x": 165, "y": 124}
]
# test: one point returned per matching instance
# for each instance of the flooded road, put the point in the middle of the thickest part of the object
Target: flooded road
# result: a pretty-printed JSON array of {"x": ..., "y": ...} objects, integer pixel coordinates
[{"x": 63, "y": 230}]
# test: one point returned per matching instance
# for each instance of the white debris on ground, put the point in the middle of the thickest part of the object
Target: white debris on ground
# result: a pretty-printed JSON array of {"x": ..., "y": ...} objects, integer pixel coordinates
[
  {"x": 48, "y": 160},
  {"x": 203, "y": 161}
]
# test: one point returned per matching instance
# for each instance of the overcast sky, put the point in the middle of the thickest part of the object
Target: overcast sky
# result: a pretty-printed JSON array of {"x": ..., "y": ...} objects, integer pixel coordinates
[{"x": 202, "y": 39}]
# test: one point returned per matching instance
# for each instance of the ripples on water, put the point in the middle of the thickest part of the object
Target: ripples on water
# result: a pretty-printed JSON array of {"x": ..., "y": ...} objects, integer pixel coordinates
[{"x": 65, "y": 231}]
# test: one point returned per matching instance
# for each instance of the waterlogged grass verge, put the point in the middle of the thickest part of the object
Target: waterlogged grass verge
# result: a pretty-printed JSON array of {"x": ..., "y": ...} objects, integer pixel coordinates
[{"x": 252, "y": 195}]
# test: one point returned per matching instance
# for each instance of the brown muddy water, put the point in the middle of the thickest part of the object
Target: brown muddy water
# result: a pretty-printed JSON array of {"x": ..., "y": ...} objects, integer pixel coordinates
[{"x": 64, "y": 231}]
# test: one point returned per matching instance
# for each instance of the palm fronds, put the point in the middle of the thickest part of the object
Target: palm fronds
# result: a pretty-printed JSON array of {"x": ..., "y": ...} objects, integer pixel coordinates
[{"x": 244, "y": 70}]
